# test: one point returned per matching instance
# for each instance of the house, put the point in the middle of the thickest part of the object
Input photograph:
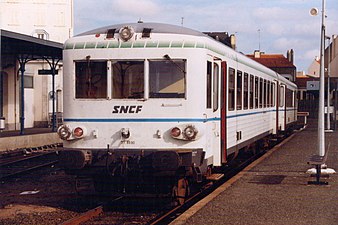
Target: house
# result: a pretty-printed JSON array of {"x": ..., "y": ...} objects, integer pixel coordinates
[
  {"x": 39, "y": 24},
  {"x": 277, "y": 62}
]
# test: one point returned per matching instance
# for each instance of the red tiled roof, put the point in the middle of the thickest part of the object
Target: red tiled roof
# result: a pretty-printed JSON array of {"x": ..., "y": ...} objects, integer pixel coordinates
[{"x": 273, "y": 60}]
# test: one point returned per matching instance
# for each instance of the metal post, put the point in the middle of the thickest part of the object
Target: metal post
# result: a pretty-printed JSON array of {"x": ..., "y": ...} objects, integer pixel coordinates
[
  {"x": 22, "y": 61},
  {"x": 53, "y": 98},
  {"x": 53, "y": 65},
  {"x": 328, "y": 124},
  {"x": 321, "y": 123}
]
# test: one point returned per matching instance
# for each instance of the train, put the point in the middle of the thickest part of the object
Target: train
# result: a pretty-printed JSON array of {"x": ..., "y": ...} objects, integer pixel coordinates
[{"x": 155, "y": 108}]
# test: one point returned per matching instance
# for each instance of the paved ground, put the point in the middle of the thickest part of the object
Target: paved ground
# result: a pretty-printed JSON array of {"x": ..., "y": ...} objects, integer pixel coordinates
[
  {"x": 32, "y": 137},
  {"x": 276, "y": 190},
  {"x": 27, "y": 131}
]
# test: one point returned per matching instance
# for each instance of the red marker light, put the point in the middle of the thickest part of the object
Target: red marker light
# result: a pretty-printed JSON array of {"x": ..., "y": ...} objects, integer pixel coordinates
[
  {"x": 78, "y": 132},
  {"x": 175, "y": 132}
]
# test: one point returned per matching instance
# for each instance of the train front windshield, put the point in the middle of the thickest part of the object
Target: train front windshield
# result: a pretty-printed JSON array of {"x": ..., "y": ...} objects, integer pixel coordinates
[{"x": 166, "y": 79}]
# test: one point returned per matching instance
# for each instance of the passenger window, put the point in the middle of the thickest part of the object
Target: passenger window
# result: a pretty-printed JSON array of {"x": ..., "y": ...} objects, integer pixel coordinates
[
  {"x": 209, "y": 85},
  {"x": 167, "y": 78},
  {"x": 261, "y": 97},
  {"x": 91, "y": 79},
  {"x": 252, "y": 97},
  {"x": 273, "y": 94},
  {"x": 231, "y": 95},
  {"x": 239, "y": 90},
  {"x": 246, "y": 91},
  {"x": 215, "y": 87},
  {"x": 281, "y": 96},
  {"x": 265, "y": 94},
  {"x": 256, "y": 92},
  {"x": 128, "y": 79},
  {"x": 289, "y": 98}
]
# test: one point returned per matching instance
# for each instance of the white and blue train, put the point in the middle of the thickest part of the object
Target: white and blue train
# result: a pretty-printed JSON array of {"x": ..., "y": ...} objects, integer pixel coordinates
[{"x": 146, "y": 103}]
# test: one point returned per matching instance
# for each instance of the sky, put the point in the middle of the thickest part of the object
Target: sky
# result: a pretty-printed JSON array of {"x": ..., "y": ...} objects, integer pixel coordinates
[{"x": 271, "y": 26}]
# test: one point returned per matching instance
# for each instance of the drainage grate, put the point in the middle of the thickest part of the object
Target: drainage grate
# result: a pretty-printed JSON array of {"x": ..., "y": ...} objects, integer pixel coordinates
[{"x": 267, "y": 179}]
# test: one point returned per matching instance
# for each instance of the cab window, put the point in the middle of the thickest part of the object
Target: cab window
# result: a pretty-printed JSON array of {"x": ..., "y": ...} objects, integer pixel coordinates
[
  {"x": 91, "y": 79},
  {"x": 167, "y": 78}
]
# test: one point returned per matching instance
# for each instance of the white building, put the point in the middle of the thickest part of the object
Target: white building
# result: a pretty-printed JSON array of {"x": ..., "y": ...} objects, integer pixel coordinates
[{"x": 46, "y": 19}]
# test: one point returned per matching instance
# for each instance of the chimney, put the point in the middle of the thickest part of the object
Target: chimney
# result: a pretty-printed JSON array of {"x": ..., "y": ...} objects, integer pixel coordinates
[
  {"x": 233, "y": 41},
  {"x": 257, "y": 54},
  {"x": 289, "y": 55}
]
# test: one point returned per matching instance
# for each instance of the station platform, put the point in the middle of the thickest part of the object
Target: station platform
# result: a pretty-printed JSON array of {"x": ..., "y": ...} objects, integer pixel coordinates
[
  {"x": 32, "y": 138},
  {"x": 275, "y": 190}
]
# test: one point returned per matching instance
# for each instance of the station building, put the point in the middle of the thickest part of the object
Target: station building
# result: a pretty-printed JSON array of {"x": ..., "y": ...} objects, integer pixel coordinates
[{"x": 33, "y": 32}]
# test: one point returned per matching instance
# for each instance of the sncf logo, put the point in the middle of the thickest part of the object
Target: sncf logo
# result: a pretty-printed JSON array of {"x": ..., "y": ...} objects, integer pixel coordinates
[{"x": 127, "y": 108}]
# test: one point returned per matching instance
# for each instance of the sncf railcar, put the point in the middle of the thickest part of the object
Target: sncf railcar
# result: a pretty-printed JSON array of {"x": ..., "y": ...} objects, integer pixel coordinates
[{"x": 152, "y": 106}]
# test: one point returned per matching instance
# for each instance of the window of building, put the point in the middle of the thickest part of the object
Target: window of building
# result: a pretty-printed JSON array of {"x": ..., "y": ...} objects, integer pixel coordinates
[
  {"x": 231, "y": 88},
  {"x": 128, "y": 79},
  {"x": 91, "y": 79},
  {"x": 40, "y": 33},
  {"x": 28, "y": 81},
  {"x": 166, "y": 78}
]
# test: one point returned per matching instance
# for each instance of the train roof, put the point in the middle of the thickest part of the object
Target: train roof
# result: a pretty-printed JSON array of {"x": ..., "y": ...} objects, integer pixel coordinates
[
  {"x": 155, "y": 28},
  {"x": 161, "y": 28}
]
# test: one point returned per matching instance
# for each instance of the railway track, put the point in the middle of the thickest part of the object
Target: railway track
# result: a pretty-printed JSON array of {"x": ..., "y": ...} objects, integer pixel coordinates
[
  {"x": 20, "y": 165},
  {"x": 162, "y": 212}
]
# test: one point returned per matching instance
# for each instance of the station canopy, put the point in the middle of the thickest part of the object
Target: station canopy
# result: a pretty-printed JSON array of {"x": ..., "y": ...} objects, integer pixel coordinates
[{"x": 15, "y": 44}]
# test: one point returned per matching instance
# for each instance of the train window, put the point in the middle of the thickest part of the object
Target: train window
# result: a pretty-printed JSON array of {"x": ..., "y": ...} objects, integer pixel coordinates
[
  {"x": 289, "y": 98},
  {"x": 265, "y": 94},
  {"x": 231, "y": 96},
  {"x": 271, "y": 94},
  {"x": 252, "y": 97},
  {"x": 128, "y": 79},
  {"x": 261, "y": 97},
  {"x": 281, "y": 97},
  {"x": 256, "y": 92},
  {"x": 167, "y": 78},
  {"x": 91, "y": 79},
  {"x": 209, "y": 85},
  {"x": 215, "y": 86},
  {"x": 239, "y": 90},
  {"x": 246, "y": 91},
  {"x": 273, "y": 90}
]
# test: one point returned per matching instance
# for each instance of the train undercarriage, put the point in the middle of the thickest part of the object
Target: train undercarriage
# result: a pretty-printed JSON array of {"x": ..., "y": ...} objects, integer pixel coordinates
[
  {"x": 131, "y": 172},
  {"x": 136, "y": 172}
]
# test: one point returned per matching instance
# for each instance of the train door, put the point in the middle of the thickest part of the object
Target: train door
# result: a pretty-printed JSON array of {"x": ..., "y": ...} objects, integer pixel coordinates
[{"x": 223, "y": 112}]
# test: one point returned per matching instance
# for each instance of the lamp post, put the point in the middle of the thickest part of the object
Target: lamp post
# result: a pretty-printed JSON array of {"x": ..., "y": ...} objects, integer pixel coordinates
[
  {"x": 321, "y": 112},
  {"x": 321, "y": 122}
]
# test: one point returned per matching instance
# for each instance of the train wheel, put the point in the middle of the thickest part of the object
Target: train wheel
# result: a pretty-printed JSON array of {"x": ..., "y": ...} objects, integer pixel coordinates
[{"x": 180, "y": 192}]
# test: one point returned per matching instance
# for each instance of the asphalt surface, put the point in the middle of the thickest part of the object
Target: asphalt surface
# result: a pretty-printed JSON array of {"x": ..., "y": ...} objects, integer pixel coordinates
[{"x": 275, "y": 191}]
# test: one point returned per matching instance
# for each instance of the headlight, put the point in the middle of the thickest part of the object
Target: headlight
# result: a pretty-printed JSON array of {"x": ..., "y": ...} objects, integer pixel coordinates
[
  {"x": 190, "y": 132},
  {"x": 126, "y": 33},
  {"x": 64, "y": 132}
]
